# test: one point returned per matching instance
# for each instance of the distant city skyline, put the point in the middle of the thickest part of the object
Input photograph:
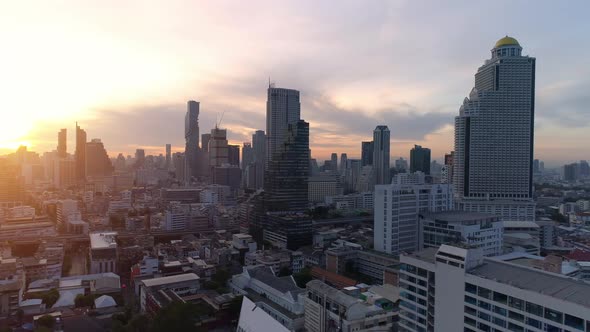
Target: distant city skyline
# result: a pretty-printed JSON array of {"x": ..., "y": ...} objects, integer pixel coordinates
[{"x": 128, "y": 84}]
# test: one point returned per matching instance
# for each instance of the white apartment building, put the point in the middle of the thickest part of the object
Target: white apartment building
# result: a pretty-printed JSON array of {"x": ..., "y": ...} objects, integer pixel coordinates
[
  {"x": 396, "y": 210},
  {"x": 363, "y": 200},
  {"x": 458, "y": 289},
  {"x": 481, "y": 230},
  {"x": 328, "y": 309}
]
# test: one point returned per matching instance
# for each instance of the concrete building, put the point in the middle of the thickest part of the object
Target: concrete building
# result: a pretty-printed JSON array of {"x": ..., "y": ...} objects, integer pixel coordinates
[
  {"x": 80, "y": 153},
  {"x": 458, "y": 289},
  {"x": 62, "y": 139},
  {"x": 319, "y": 187},
  {"x": 479, "y": 230},
  {"x": 233, "y": 155},
  {"x": 328, "y": 309},
  {"x": 494, "y": 136},
  {"x": 218, "y": 148},
  {"x": 254, "y": 319},
  {"x": 103, "y": 252},
  {"x": 396, "y": 211},
  {"x": 522, "y": 236},
  {"x": 381, "y": 156},
  {"x": 179, "y": 285},
  {"x": 98, "y": 163},
  {"x": 358, "y": 201}
]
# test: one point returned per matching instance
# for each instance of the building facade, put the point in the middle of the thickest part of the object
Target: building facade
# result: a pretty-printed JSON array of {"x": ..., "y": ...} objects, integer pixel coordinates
[
  {"x": 396, "y": 211},
  {"x": 494, "y": 135},
  {"x": 381, "y": 154}
]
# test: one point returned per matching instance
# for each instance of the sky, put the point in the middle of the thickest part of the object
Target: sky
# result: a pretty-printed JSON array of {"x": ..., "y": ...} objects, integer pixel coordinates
[{"x": 125, "y": 69}]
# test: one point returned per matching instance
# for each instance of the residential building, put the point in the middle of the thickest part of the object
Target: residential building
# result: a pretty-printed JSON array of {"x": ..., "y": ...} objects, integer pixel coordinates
[
  {"x": 458, "y": 289},
  {"x": 396, "y": 212},
  {"x": 62, "y": 139},
  {"x": 494, "y": 136},
  {"x": 233, "y": 155},
  {"x": 327, "y": 309},
  {"x": 80, "y": 153},
  {"x": 478, "y": 230},
  {"x": 326, "y": 184},
  {"x": 98, "y": 163},
  {"x": 177, "y": 285}
]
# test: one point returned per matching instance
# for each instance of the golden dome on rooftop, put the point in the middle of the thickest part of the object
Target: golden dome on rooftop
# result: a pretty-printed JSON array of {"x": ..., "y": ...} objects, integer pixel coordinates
[{"x": 506, "y": 41}]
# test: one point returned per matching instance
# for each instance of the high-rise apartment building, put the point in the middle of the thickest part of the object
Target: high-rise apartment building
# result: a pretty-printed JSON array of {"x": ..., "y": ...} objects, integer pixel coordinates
[
  {"x": 458, "y": 289},
  {"x": 191, "y": 136},
  {"x": 62, "y": 138},
  {"x": 367, "y": 153},
  {"x": 259, "y": 146},
  {"x": 343, "y": 163},
  {"x": 401, "y": 165},
  {"x": 494, "y": 135},
  {"x": 11, "y": 183},
  {"x": 139, "y": 157},
  {"x": 397, "y": 209},
  {"x": 283, "y": 108},
  {"x": 420, "y": 160},
  {"x": 80, "y": 153},
  {"x": 381, "y": 154}
]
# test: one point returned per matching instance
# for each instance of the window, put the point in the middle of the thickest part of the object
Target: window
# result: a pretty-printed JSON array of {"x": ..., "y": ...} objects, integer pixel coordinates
[
  {"x": 534, "y": 309},
  {"x": 534, "y": 323},
  {"x": 553, "y": 315},
  {"x": 499, "y": 297},
  {"x": 469, "y": 288},
  {"x": 484, "y": 305},
  {"x": 516, "y": 316},
  {"x": 575, "y": 322},
  {"x": 484, "y": 292},
  {"x": 516, "y": 303},
  {"x": 515, "y": 328},
  {"x": 500, "y": 311},
  {"x": 470, "y": 300},
  {"x": 499, "y": 322}
]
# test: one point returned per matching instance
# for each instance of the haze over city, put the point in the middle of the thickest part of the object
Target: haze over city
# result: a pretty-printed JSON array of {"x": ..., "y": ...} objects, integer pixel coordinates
[{"x": 125, "y": 71}]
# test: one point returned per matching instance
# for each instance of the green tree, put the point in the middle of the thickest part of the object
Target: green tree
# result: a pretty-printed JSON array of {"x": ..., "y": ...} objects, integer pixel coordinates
[
  {"x": 47, "y": 321},
  {"x": 303, "y": 277},
  {"x": 82, "y": 300},
  {"x": 179, "y": 316},
  {"x": 48, "y": 298}
]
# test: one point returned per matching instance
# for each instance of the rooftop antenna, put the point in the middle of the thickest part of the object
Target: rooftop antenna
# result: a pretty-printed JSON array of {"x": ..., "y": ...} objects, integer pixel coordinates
[{"x": 218, "y": 123}]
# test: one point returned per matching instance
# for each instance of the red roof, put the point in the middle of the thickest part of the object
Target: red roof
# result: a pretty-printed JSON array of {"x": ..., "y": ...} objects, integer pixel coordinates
[
  {"x": 332, "y": 278},
  {"x": 579, "y": 255}
]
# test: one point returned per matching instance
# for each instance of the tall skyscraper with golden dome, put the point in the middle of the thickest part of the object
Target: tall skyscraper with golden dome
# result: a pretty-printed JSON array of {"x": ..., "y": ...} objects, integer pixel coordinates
[{"x": 494, "y": 136}]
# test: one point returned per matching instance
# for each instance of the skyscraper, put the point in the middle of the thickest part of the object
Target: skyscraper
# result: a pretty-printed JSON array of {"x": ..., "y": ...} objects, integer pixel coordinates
[
  {"x": 286, "y": 191},
  {"x": 287, "y": 173},
  {"x": 494, "y": 133},
  {"x": 381, "y": 154},
  {"x": 97, "y": 160},
  {"x": 233, "y": 155},
  {"x": 80, "y": 153},
  {"x": 191, "y": 135},
  {"x": 259, "y": 146},
  {"x": 420, "y": 160},
  {"x": 62, "y": 137},
  {"x": 334, "y": 162},
  {"x": 367, "y": 153},
  {"x": 205, "y": 142},
  {"x": 343, "y": 162},
  {"x": 168, "y": 156},
  {"x": 283, "y": 108},
  {"x": 218, "y": 151},
  {"x": 139, "y": 157},
  {"x": 247, "y": 155}
]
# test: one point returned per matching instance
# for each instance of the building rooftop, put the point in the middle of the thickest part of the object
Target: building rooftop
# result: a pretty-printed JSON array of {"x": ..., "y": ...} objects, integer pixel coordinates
[
  {"x": 427, "y": 255},
  {"x": 282, "y": 284},
  {"x": 170, "y": 279},
  {"x": 103, "y": 240},
  {"x": 520, "y": 224},
  {"x": 505, "y": 41},
  {"x": 550, "y": 284},
  {"x": 456, "y": 216}
]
